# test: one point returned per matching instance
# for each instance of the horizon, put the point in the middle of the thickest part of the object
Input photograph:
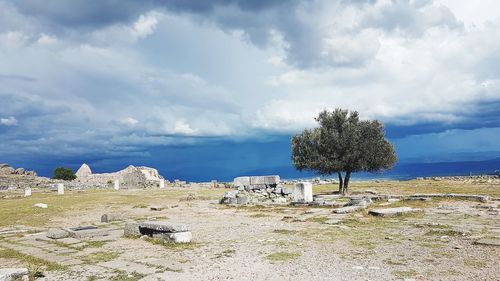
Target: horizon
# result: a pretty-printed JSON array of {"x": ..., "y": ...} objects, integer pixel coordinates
[{"x": 216, "y": 90}]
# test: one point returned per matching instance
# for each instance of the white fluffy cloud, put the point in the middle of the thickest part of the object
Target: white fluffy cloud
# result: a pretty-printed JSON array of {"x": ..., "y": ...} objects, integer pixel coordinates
[
  {"x": 176, "y": 74},
  {"x": 10, "y": 121}
]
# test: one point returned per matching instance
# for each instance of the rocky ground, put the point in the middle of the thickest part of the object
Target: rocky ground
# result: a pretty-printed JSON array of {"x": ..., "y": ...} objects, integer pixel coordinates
[{"x": 450, "y": 240}]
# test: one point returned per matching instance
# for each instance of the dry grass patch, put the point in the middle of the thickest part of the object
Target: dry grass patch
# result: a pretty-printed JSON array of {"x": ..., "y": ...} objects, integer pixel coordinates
[
  {"x": 100, "y": 257},
  {"x": 283, "y": 256},
  {"x": 30, "y": 261}
]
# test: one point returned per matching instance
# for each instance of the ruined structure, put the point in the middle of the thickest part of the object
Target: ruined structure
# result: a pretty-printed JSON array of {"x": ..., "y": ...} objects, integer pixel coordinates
[{"x": 130, "y": 177}]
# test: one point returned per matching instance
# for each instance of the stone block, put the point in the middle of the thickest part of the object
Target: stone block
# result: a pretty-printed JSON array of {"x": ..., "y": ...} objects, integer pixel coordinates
[
  {"x": 162, "y": 184},
  {"x": 156, "y": 208},
  {"x": 230, "y": 194},
  {"x": 303, "y": 192},
  {"x": 41, "y": 205},
  {"x": 349, "y": 209},
  {"x": 242, "y": 200},
  {"x": 287, "y": 190},
  {"x": 86, "y": 233},
  {"x": 241, "y": 181},
  {"x": 55, "y": 233},
  {"x": 131, "y": 229},
  {"x": 178, "y": 237},
  {"x": 274, "y": 179},
  {"x": 117, "y": 185},
  {"x": 392, "y": 212},
  {"x": 60, "y": 189},
  {"x": 27, "y": 192},
  {"x": 160, "y": 226},
  {"x": 112, "y": 217},
  {"x": 11, "y": 274}
]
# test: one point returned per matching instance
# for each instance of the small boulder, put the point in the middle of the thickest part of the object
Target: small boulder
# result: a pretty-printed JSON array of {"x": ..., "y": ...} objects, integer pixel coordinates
[
  {"x": 41, "y": 205},
  {"x": 131, "y": 229},
  {"x": 55, "y": 233},
  {"x": 11, "y": 274}
]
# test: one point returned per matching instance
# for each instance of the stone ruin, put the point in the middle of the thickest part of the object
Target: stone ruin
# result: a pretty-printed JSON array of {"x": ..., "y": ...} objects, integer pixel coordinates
[
  {"x": 261, "y": 189},
  {"x": 6, "y": 169},
  {"x": 130, "y": 177}
]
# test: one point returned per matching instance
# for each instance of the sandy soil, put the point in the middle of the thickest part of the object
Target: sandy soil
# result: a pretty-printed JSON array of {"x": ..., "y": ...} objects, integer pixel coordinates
[{"x": 277, "y": 243}]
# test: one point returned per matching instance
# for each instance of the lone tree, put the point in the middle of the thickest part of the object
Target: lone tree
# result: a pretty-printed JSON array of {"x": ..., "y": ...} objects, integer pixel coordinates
[
  {"x": 343, "y": 144},
  {"x": 62, "y": 173}
]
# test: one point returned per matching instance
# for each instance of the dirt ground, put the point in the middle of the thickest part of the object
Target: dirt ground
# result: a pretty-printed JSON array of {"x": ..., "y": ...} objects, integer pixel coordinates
[{"x": 260, "y": 242}]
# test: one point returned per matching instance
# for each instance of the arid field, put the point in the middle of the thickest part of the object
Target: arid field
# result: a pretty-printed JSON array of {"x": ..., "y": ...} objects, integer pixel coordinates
[{"x": 451, "y": 239}]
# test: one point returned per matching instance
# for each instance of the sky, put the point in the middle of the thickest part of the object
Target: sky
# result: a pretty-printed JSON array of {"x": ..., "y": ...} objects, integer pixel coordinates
[{"x": 207, "y": 90}]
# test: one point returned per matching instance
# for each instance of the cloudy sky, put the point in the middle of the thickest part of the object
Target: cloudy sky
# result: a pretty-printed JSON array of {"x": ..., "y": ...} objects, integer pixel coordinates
[{"x": 213, "y": 89}]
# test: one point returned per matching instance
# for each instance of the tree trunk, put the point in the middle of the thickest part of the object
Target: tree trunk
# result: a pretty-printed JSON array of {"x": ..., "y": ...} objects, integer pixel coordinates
[
  {"x": 341, "y": 183},
  {"x": 346, "y": 181}
]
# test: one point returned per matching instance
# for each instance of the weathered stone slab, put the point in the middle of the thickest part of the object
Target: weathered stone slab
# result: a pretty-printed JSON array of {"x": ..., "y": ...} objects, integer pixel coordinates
[
  {"x": 241, "y": 181},
  {"x": 159, "y": 226},
  {"x": 131, "y": 229},
  {"x": 112, "y": 217},
  {"x": 27, "y": 192},
  {"x": 287, "y": 190},
  {"x": 156, "y": 208},
  {"x": 242, "y": 200},
  {"x": 55, "y": 233},
  {"x": 302, "y": 192},
  {"x": 349, "y": 209},
  {"x": 10, "y": 274},
  {"x": 60, "y": 189},
  {"x": 488, "y": 242},
  {"x": 41, "y": 205},
  {"x": 274, "y": 179},
  {"x": 392, "y": 212},
  {"x": 178, "y": 237},
  {"x": 86, "y": 232}
]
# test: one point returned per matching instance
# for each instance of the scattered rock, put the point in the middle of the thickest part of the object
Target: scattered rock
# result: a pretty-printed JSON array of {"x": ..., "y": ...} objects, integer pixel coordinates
[
  {"x": 156, "y": 208},
  {"x": 488, "y": 242},
  {"x": 349, "y": 209},
  {"x": 55, "y": 233},
  {"x": 392, "y": 212},
  {"x": 86, "y": 232},
  {"x": 158, "y": 226},
  {"x": 41, "y": 205},
  {"x": 11, "y": 274},
  {"x": 178, "y": 237},
  {"x": 111, "y": 217},
  {"x": 131, "y": 229}
]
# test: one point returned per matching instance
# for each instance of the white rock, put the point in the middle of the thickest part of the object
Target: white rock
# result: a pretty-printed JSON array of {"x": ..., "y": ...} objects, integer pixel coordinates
[
  {"x": 84, "y": 171},
  {"x": 302, "y": 192},
  {"x": 60, "y": 188},
  {"x": 10, "y": 274},
  {"x": 117, "y": 184},
  {"x": 179, "y": 237},
  {"x": 41, "y": 205},
  {"x": 162, "y": 184},
  {"x": 27, "y": 192}
]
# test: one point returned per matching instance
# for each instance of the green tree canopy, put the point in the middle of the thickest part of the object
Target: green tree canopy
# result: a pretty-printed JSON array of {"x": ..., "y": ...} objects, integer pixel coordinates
[
  {"x": 62, "y": 173},
  {"x": 343, "y": 144}
]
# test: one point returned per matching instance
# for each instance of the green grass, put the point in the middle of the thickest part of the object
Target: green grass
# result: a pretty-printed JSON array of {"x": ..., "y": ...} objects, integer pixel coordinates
[
  {"x": 124, "y": 276},
  {"x": 259, "y": 215},
  {"x": 20, "y": 211},
  {"x": 173, "y": 246},
  {"x": 30, "y": 261},
  {"x": 474, "y": 263},
  {"x": 100, "y": 257},
  {"x": 415, "y": 186},
  {"x": 404, "y": 273},
  {"x": 283, "y": 256},
  {"x": 318, "y": 219},
  {"x": 284, "y": 231},
  {"x": 444, "y": 232},
  {"x": 226, "y": 253}
]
